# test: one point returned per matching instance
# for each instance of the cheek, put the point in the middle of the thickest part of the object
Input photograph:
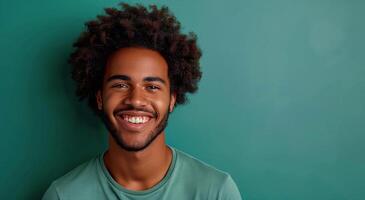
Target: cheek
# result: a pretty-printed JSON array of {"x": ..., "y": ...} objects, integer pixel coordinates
[
  {"x": 161, "y": 104},
  {"x": 111, "y": 101}
]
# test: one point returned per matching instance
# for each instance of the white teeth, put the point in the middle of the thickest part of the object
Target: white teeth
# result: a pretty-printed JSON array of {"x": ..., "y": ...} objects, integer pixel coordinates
[{"x": 136, "y": 119}]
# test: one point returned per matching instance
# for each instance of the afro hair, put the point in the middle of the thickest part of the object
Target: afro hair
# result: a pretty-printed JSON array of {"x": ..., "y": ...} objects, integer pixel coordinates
[{"x": 135, "y": 26}]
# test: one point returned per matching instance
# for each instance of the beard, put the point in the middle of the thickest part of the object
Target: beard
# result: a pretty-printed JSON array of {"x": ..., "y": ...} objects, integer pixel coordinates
[{"x": 135, "y": 147}]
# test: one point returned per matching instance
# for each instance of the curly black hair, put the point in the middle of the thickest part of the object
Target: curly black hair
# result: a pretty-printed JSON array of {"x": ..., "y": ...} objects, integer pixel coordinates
[{"x": 135, "y": 26}]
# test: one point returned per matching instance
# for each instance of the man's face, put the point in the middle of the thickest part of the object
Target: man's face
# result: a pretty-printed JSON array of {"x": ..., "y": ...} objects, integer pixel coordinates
[{"x": 135, "y": 98}]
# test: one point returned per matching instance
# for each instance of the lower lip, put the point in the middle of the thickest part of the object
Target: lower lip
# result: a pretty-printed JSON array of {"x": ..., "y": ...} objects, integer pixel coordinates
[{"x": 131, "y": 126}]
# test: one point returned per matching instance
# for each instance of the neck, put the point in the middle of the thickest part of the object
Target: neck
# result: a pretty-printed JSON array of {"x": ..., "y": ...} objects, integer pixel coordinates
[{"x": 138, "y": 170}]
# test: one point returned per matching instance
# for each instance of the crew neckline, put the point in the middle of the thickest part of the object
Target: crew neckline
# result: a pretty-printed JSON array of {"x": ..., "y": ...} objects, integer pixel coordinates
[{"x": 139, "y": 192}]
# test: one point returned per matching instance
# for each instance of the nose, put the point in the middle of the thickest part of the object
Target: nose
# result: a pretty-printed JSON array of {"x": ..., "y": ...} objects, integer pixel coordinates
[{"x": 136, "y": 98}]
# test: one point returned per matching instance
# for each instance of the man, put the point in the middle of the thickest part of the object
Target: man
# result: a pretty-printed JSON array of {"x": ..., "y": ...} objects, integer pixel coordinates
[{"x": 134, "y": 66}]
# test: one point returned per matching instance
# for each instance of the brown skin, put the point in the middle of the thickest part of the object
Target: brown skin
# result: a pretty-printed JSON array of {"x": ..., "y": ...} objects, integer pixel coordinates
[{"x": 137, "y": 164}]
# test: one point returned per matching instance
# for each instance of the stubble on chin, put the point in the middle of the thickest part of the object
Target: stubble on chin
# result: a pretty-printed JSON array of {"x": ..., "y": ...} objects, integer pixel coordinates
[{"x": 117, "y": 136}]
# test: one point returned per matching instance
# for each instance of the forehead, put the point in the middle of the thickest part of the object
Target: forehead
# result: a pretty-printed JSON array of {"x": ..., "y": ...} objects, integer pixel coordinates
[{"x": 137, "y": 63}]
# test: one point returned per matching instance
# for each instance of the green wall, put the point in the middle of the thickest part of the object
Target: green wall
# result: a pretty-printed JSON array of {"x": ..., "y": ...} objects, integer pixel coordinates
[{"x": 280, "y": 106}]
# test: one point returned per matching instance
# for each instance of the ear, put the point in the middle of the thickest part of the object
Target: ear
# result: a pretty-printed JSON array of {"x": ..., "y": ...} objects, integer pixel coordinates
[
  {"x": 99, "y": 100},
  {"x": 172, "y": 102}
]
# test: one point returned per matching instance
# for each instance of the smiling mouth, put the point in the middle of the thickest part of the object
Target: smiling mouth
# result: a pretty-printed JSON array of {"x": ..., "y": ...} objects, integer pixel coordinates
[
  {"x": 134, "y": 122},
  {"x": 136, "y": 119}
]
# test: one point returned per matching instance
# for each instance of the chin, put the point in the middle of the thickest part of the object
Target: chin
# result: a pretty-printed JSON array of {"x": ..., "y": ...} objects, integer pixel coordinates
[{"x": 134, "y": 141}]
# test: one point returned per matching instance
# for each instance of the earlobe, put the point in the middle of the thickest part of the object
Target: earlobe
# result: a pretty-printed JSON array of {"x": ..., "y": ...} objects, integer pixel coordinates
[
  {"x": 99, "y": 100},
  {"x": 172, "y": 102}
]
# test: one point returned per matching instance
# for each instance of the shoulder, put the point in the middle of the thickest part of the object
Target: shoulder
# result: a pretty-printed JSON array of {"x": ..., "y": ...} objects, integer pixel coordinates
[
  {"x": 83, "y": 176},
  {"x": 200, "y": 171},
  {"x": 203, "y": 177},
  {"x": 189, "y": 163}
]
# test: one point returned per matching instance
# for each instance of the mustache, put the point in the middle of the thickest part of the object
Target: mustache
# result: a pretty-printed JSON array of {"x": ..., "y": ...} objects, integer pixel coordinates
[{"x": 132, "y": 108}]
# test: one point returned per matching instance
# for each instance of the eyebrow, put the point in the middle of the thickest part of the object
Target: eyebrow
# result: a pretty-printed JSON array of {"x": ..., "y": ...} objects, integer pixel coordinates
[
  {"x": 154, "y": 79},
  {"x": 127, "y": 78},
  {"x": 118, "y": 77}
]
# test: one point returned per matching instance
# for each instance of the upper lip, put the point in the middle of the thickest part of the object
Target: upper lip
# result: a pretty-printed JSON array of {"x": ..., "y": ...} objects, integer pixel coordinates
[{"x": 136, "y": 113}]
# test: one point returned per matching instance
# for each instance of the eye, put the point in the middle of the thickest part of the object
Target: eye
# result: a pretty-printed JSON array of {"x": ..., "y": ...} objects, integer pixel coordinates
[
  {"x": 152, "y": 87},
  {"x": 120, "y": 85}
]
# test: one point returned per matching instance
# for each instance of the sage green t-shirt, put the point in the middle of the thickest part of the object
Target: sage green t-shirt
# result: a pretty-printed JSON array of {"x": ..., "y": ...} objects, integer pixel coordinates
[{"x": 186, "y": 179}]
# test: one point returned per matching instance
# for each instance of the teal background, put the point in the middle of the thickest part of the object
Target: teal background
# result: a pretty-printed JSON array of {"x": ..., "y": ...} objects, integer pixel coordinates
[{"x": 280, "y": 106}]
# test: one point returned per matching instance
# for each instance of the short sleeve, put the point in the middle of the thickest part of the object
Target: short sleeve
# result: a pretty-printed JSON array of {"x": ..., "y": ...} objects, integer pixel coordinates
[
  {"x": 229, "y": 190},
  {"x": 51, "y": 193}
]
